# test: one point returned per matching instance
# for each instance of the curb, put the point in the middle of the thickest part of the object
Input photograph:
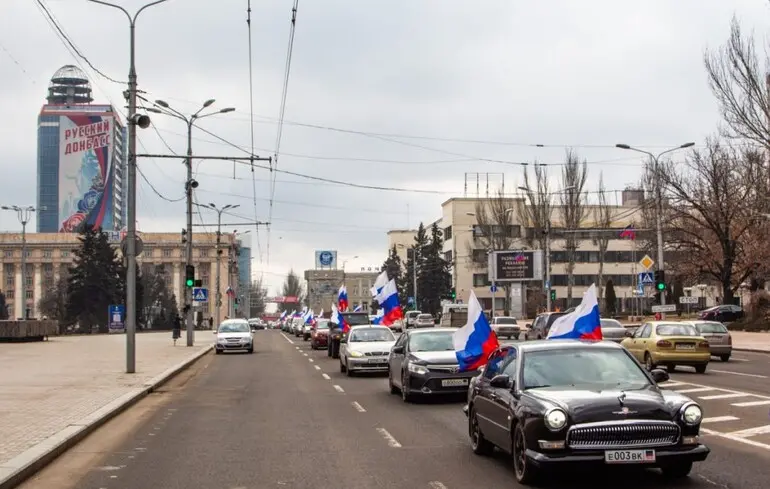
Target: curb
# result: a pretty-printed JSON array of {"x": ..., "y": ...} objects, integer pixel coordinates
[
  {"x": 26, "y": 464},
  {"x": 750, "y": 350}
]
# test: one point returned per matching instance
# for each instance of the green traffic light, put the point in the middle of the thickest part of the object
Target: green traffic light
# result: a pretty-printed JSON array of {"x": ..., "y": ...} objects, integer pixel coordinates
[
  {"x": 661, "y": 286},
  {"x": 189, "y": 283}
]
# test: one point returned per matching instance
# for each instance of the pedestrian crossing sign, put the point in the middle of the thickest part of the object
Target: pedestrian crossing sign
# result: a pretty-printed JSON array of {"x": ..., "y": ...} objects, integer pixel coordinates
[{"x": 200, "y": 294}]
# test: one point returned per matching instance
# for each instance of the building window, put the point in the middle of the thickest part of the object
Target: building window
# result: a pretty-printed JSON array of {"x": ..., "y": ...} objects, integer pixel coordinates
[
  {"x": 27, "y": 253},
  {"x": 9, "y": 253},
  {"x": 9, "y": 294},
  {"x": 448, "y": 233},
  {"x": 65, "y": 253},
  {"x": 30, "y": 294},
  {"x": 448, "y": 256},
  {"x": 47, "y": 254},
  {"x": 203, "y": 252},
  {"x": 167, "y": 253},
  {"x": 481, "y": 280}
]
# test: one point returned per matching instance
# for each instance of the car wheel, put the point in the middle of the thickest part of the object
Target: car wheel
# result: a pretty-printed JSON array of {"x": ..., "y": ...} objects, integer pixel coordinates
[
  {"x": 250, "y": 350},
  {"x": 329, "y": 350},
  {"x": 393, "y": 388},
  {"x": 701, "y": 369},
  {"x": 349, "y": 372},
  {"x": 648, "y": 364},
  {"x": 406, "y": 396},
  {"x": 343, "y": 368},
  {"x": 479, "y": 444},
  {"x": 678, "y": 471},
  {"x": 525, "y": 472},
  {"x": 724, "y": 358},
  {"x": 219, "y": 352}
]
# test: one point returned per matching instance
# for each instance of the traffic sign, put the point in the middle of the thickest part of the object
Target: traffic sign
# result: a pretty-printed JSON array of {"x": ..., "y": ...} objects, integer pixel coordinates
[
  {"x": 646, "y": 278},
  {"x": 647, "y": 262},
  {"x": 493, "y": 288},
  {"x": 547, "y": 284},
  {"x": 116, "y": 314},
  {"x": 666, "y": 308},
  {"x": 686, "y": 299},
  {"x": 200, "y": 294},
  {"x": 639, "y": 288}
]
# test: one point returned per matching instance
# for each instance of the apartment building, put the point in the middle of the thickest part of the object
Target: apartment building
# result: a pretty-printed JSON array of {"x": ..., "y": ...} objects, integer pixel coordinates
[{"x": 49, "y": 256}]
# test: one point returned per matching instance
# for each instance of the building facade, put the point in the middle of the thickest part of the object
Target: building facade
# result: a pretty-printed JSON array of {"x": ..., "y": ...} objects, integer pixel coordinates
[
  {"x": 49, "y": 256},
  {"x": 323, "y": 286},
  {"x": 81, "y": 159}
]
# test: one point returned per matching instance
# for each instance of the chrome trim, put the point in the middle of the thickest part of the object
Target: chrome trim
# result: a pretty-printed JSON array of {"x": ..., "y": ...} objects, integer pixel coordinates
[
  {"x": 452, "y": 369},
  {"x": 623, "y": 434},
  {"x": 685, "y": 406},
  {"x": 566, "y": 419}
]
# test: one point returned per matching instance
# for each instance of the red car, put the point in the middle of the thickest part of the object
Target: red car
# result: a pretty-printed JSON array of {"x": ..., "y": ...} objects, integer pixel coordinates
[{"x": 319, "y": 335}]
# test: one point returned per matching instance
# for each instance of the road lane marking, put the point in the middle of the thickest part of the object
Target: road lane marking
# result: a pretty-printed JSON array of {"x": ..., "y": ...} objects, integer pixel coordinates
[
  {"x": 317, "y": 367},
  {"x": 305, "y": 354},
  {"x": 759, "y": 396},
  {"x": 717, "y": 419},
  {"x": 339, "y": 389},
  {"x": 758, "y": 430},
  {"x": 310, "y": 360},
  {"x": 392, "y": 442},
  {"x": 358, "y": 407},
  {"x": 696, "y": 389},
  {"x": 724, "y": 396},
  {"x": 287, "y": 338},
  {"x": 326, "y": 376},
  {"x": 751, "y": 403},
  {"x": 738, "y": 373},
  {"x": 673, "y": 383},
  {"x": 733, "y": 359},
  {"x": 436, "y": 485},
  {"x": 729, "y": 436}
]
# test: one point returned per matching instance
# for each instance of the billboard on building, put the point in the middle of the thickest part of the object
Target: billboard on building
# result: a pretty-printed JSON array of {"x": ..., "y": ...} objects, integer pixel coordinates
[
  {"x": 326, "y": 259},
  {"x": 86, "y": 149},
  {"x": 515, "y": 266}
]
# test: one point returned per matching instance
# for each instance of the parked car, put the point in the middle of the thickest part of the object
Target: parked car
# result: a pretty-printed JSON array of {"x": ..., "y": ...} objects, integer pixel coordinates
[
  {"x": 424, "y": 321},
  {"x": 234, "y": 334},
  {"x": 538, "y": 330},
  {"x": 319, "y": 336},
  {"x": 560, "y": 403},
  {"x": 410, "y": 317},
  {"x": 669, "y": 343},
  {"x": 366, "y": 349},
  {"x": 719, "y": 338},
  {"x": 612, "y": 330},
  {"x": 724, "y": 314},
  {"x": 506, "y": 326}
]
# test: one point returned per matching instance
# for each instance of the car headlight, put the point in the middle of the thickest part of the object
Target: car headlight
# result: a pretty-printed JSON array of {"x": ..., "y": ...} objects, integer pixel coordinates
[
  {"x": 555, "y": 419},
  {"x": 692, "y": 414},
  {"x": 417, "y": 369},
  {"x": 221, "y": 340},
  {"x": 355, "y": 354}
]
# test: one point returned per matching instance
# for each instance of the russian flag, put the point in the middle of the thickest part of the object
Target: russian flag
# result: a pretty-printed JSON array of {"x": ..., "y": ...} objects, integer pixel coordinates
[
  {"x": 378, "y": 318},
  {"x": 628, "y": 232},
  {"x": 339, "y": 319},
  {"x": 475, "y": 341},
  {"x": 380, "y": 282},
  {"x": 283, "y": 315},
  {"x": 342, "y": 298},
  {"x": 388, "y": 300},
  {"x": 309, "y": 317},
  {"x": 358, "y": 308},
  {"x": 584, "y": 323}
]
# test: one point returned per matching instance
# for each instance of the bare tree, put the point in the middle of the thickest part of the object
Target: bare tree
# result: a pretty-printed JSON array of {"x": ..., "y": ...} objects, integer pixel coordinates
[
  {"x": 716, "y": 197},
  {"x": 603, "y": 219},
  {"x": 535, "y": 213},
  {"x": 573, "y": 210}
]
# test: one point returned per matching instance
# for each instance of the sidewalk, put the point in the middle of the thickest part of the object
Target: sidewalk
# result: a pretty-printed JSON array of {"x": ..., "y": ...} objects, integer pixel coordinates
[
  {"x": 55, "y": 390},
  {"x": 755, "y": 342}
]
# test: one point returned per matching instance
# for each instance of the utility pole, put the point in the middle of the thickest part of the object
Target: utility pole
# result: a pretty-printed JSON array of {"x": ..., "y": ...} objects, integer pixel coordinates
[
  {"x": 24, "y": 214},
  {"x": 162, "y": 107},
  {"x": 142, "y": 121},
  {"x": 548, "y": 299},
  {"x": 218, "y": 285},
  {"x": 658, "y": 204}
]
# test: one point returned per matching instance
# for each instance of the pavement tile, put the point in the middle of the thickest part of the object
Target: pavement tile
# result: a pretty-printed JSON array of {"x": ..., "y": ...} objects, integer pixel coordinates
[
  {"x": 47, "y": 386},
  {"x": 751, "y": 341}
]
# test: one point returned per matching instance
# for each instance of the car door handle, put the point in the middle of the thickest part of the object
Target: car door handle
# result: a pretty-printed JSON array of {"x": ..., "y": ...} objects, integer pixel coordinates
[{"x": 493, "y": 396}]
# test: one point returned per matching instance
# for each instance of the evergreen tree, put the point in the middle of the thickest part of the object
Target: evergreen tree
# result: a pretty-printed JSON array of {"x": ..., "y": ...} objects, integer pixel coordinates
[
  {"x": 53, "y": 304},
  {"x": 3, "y": 307},
  {"x": 94, "y": 281},
  {"x": 434, "y": 281},
  {"x": 610, "y": 300},
  {"x": 140, "y": 291},
  {"x": 395, "y": 270},
  {"x": 162, "y": 303},
  {"x": 418, "y": 248}
]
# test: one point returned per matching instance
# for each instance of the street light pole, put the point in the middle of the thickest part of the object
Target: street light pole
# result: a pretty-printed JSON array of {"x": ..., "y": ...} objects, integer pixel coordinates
[
  {"x": 218, "y": 293},
  {"x": 24, "y": 214},
  {"x": 658, "y": 203},
  {"x": 190, "y": 185},
  {"x": 132, "y": 122}
]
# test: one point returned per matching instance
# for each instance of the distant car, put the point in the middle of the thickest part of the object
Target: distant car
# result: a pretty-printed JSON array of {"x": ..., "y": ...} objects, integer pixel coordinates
[
  {"x": 424, "y": 321},
  {"x": 538, "y": 330},
  {"x": 410, "y": 317},
  {"x": 319, "y": 335},
  {"x": 234, "y": 334},
  {"x": 612, "y": 330},
  {"x": 506, "y": 326},
  {"x": 366, "y": 349},
  {"x": 256, "y": 324},
  {"x": 724, "y": 314},
  {"x": 669, "y": 343},
  {"x": 719, "y": 338}
]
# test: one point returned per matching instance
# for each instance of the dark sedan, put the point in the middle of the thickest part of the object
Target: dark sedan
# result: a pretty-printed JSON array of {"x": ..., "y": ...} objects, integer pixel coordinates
[
  {"x": 423, "y": 362},
  {"x": 559, "y": 403}
]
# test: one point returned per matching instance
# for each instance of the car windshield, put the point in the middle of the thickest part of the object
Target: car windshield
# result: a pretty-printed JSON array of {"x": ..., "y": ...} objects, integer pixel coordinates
[
  {"x": 356, "y": 319},
  {"x": 675, "y": 329},
  {"x": 505, "y": 320},
  {"x": 434, "y": 341},
  {"x": 711, "y": 328},
  {"x": 581, "y": 366},
  {"x": 611, "y": 324},
  {"x": 425, "y": 316},
  {"x": 238, "y": 327},
  {"x": 322, "y": 325},
  {"x": 371, "y": 334}
]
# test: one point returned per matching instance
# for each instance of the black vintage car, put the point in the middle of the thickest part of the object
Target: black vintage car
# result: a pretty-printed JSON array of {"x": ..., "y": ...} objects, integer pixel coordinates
[{"x": 560, "y": 403}]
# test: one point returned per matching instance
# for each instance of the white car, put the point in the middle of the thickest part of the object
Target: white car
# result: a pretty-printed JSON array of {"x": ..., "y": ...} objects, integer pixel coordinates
[
  {"x": 366, "y": 349},
  {"x": 234, "y": 335}
]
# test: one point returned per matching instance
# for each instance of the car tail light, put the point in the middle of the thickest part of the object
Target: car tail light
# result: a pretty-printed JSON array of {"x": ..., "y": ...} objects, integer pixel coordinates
[
  {"x": 703, "y": 344},
  {"x": 729, "y": 340},
  {"x": 664, "y": 344}
]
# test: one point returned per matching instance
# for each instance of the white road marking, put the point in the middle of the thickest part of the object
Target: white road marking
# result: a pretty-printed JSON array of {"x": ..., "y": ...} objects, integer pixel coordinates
[
  {"x": 758, "y": 396},
  {"x": 310, "y": 360},
  {"x": 717, "y": 419},
  {"x": 436, "y": 485},
  {"x": 326, "y": 376},
  {"x": 317, "y": 367},
  {"x": 757, "y": 430},
  {"x": 392, "y": 442},
  {"x": 738, "y": 373},
  {"x": 696, "y": 389},
  {"x": 339, "y": 389},
  {"x": 287, "y": 339},
  {"x": 358, "y": 407},
  {"x": 733, "y": 359},
  {"x": 751, "y": 403},
  {"x": 724, "y": 396},
  {"x": 673, "y": 383},
  {"x": 305, "y": 354},
  {"x": 730, "y": 436}
]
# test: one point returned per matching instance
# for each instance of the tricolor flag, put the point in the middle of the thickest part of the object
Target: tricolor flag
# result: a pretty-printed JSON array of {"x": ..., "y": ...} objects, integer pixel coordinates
[
  {"x": 388, "y": 300},
  {"x": 339, "y": 319},
  {"x": 342, "y": 298},
  {"x": 358, "y": 308},
  {"x": 380, "y": 282},
  {"x": 628, "y": 232},
  {"x": 475, "y": 341},
  {"x": 583, "y": 323}
]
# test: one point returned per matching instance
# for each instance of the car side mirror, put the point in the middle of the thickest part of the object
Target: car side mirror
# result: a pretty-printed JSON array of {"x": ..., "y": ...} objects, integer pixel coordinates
[
  {"x": 343, "y": 340},
  {"x": 398, "y": 350},
  {"x": 502, "y": 381},
  {"x": 215, "y": 331},
  {"x": 629, "y": 334},
  {"x": 528, "y": 325},
  {"x": 659, "y": 375}
]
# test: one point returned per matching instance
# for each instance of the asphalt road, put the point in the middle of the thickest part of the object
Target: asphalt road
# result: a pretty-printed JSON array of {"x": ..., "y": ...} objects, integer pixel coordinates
[{"x": 285, "y": 417}]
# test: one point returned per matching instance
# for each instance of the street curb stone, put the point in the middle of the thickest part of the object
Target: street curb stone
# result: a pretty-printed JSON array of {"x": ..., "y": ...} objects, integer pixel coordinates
[
  {"x": 750, "y": 350},
  {"x": 26, "y": 464}
]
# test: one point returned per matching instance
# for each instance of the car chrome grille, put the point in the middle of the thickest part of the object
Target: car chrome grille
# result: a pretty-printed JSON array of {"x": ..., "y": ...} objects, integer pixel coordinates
[
  {"x": 452, "y": 369},
  {"x": 623, "y": 434},
  {"x": 376, "y": 354}
]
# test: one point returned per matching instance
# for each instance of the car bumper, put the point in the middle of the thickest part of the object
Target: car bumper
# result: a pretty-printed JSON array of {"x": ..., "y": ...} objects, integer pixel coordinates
[
  {"x": 320, "y": 341},
  {"x": 508, "y": 331},
  {"x": 234, "y": 347},
  {"x": 433, "y": 383},
  {"x": 663, "y": 457},
  {"x": 698, "y": 358},
  {"x": 377, "y": 364},
  {"x": 720, "y": 349}
]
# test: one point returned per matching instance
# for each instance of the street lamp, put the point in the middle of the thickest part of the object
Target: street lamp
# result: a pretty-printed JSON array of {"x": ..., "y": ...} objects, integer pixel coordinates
[
  {"x": 24, "y": 214},
  {"x": 659, "y": 202},
  {"x": 142, "y": 121},
  {"x": 547, "y": 231},
  {"x": 190, "y": 184},
  {"x": 492, "y": 250},
  {"x": 219, "y": 211},
  {"x": 347, "y": 260}
]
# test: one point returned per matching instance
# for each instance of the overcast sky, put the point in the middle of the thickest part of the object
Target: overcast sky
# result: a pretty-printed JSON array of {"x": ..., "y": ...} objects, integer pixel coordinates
[{"x": 561, "y": 73}]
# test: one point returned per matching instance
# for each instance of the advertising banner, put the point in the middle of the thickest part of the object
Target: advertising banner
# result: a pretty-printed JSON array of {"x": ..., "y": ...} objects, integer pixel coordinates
[
  {"x": 515, "y": 266},
  {"x": 86, "y": 148},
  {"x": 326, "y": 259}
]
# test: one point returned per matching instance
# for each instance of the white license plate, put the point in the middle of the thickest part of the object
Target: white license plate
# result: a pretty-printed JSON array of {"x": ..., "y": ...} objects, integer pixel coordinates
[
  {"x": 685, "y": 347},
  {"x": 629, "y": 456},
  {"x": 376, "y": 360},
  {"x": 454, "y": 382}
]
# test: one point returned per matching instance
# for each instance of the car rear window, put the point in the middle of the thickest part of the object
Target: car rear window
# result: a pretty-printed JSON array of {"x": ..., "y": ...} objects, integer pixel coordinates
[
  {"x": 711, "y": 328},
  {"x": 501, "y": 320},
  {"x": 424, "y": 316},
  {"x": 611, "y": 323},
  {"x": 676, "y": 330}
]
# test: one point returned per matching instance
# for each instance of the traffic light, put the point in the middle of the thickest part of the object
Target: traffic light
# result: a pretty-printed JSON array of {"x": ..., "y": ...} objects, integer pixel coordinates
[
  {"x": 553, "y": 295},
  {"x": 453, "y": 294},
  {"x": 198, "y": 283},
  {"x": 184, "y": 236},
  {"x": 660, "y": 280},
  {"x": 189, "y": 273}
]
